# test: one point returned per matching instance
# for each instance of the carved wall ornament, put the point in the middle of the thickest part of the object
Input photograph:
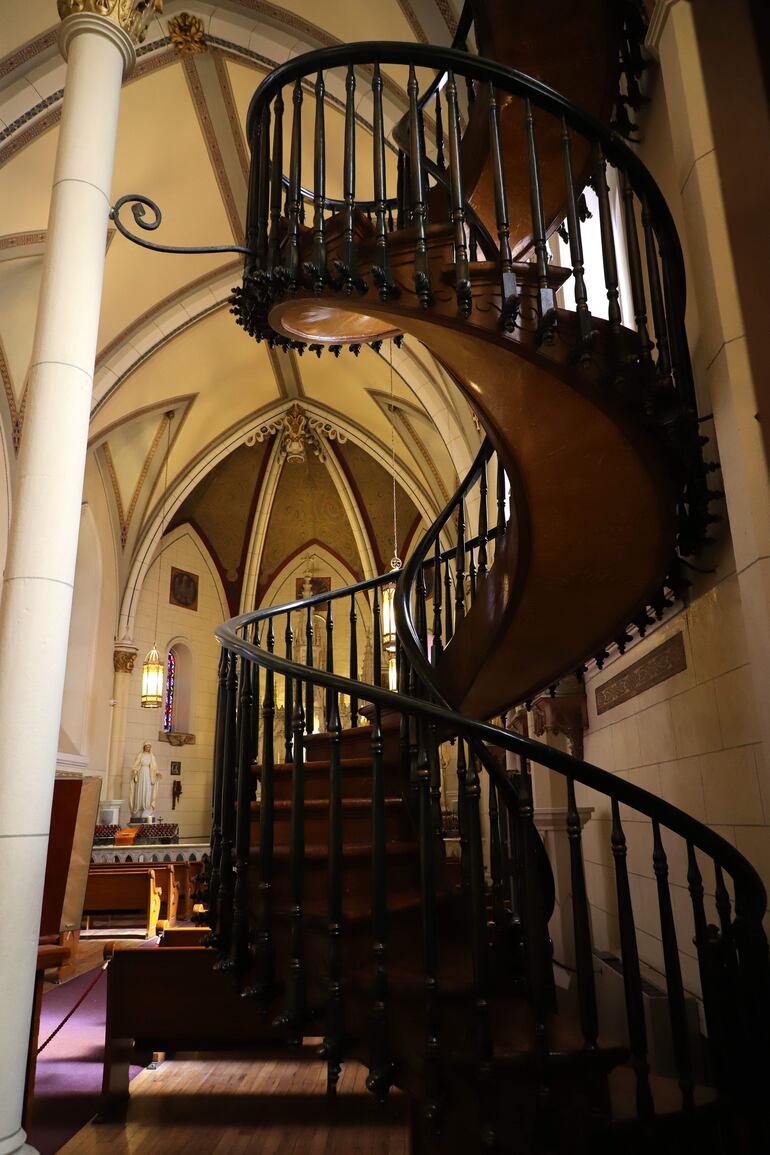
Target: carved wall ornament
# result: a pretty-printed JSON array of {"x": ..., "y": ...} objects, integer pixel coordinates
[
  {"x": 564, "y": 713},
  {"x": 123, "y": 661},
  {"x": 133, "y": 16},
  {"x": 661, "y": 663},
  {"x": 187, "y": 34},
  {"x": 176, "y": 738},
  {"x": 300, "y": 432}
]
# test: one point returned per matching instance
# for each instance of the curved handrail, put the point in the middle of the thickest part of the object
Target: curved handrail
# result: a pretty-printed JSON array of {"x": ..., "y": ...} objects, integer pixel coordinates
[
  {"x": 748, "y": 883},
  {"x": 542, "y": 96}
]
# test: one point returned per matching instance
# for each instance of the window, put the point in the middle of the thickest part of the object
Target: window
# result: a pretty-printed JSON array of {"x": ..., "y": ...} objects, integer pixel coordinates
[{"x": 168, "y": 713}]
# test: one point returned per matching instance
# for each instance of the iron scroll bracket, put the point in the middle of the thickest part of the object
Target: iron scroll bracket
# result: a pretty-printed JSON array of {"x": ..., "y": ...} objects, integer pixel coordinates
[{"x": 139, "y": 205}]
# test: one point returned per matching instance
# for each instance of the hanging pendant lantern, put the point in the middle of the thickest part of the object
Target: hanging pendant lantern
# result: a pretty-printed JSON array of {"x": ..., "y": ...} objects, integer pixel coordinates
[{"x": 153, "y": 680}]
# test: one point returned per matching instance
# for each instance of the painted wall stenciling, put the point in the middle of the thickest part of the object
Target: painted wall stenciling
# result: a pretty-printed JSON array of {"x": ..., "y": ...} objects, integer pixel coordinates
[{"x": 664, "y": 661}]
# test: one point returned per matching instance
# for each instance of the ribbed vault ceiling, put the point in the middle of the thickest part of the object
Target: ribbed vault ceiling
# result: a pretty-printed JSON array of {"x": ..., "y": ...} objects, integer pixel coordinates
[{"x": 166, "y": 339}]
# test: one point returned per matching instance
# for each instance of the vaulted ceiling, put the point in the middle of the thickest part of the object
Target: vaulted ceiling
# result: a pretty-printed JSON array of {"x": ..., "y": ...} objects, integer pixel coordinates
[{"x": 167, "y": 343}]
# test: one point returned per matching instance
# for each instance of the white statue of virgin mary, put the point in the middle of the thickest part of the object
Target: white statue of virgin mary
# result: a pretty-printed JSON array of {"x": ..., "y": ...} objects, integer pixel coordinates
[{"x": 143, "y": 789}]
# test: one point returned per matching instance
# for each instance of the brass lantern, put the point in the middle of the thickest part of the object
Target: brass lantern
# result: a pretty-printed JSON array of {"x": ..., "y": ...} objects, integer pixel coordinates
[{"x": 153, "y": 680}]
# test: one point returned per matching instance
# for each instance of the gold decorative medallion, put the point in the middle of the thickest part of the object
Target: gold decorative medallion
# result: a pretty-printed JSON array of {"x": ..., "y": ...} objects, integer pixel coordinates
[
  {"x": 133, "y": 16},
  {"x": 187, "y": 35}
]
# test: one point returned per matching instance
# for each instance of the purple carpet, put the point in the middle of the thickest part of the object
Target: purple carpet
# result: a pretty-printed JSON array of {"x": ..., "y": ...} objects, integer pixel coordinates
[{"x": 69, "y": 1071}]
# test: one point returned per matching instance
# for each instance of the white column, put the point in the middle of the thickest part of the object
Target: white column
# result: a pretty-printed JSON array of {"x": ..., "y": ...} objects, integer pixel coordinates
[
  {"x": 123, "y": 659},
  {"x": 40, "y": 570}
]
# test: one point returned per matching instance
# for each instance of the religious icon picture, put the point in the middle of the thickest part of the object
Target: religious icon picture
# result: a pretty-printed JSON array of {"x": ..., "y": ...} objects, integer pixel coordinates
[
  {"x": 184, "y": 589},
  {"x": 175, "y": 769}
]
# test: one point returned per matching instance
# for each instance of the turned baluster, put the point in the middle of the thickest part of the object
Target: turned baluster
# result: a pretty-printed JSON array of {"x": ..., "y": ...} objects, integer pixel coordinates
[
  {"x": 329, "y": 654},
  {"x": 457, "y": 204},
  {"x": 480, "y": 951},
  {"x": 224, "y": 911},
  {"x": 419, "y": 207},
  {"x": 460, "y": 565},
  {"x": 448, "y": 602},
  {"x": 635, "y": 271},
  {"x": 296, "y": 993},
  {"x": 632, "y": 978},
  {"x": 674, "y": 988},
  {"x": 349, "y": 246},
  {"x": 706, "y": 959},
  {"x": 609, "y": 257},
  {"x": 381, "y": 260},
  {"x": 546, "y": 301},
  {"x": 216, "y": 794},
  {"x": 335, "y": 1010},
  {"x": 426, "y": 842},
  {"x": 264, "y": 983},
  {"x": 276, "y": 182},
  {"x": 495, "y": 857},
  {"x": 659, "y": 319},
  {"x": 256, "y": 705},
  {"x": 585, "y": 330},
  {"x": 319, "y": 191},
  {"x": 309, "y": 687},
  {"x": 437, "y": 600},
  {"x": 483, "y": 535},
  {"x": 509, "y": 292},
  {"x": 353, "y": 666},
  {"x": 294, "y": 201},
  {"x": 239, "y": 947},
  {"x": 263, "y": 190},
  {"x": 581, "y": 921},
  {"x": 288, "y": 693},
  {"x": 380, "y": 1063},
  {"x": 462, "y": 816}
]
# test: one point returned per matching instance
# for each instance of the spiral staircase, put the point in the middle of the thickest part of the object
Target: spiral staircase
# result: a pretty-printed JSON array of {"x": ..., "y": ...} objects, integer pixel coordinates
[{"x": 330, "y": 897}]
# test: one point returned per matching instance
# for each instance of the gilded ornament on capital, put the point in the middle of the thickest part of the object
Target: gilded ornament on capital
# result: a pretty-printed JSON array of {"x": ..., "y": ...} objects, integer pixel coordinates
[
  {"x": 133, "y": 16},
  {"x": 123, "y": 661},
  {"x": 187, "y": 34}
]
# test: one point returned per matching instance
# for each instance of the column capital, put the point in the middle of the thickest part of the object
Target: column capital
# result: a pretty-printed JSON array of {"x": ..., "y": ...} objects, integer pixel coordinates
[
  {"x": 564, "y": 712},
  {"x": 658, "y": 21},
  {"x": 124, "y": 22},
  {"x": 123, "y": 657}
]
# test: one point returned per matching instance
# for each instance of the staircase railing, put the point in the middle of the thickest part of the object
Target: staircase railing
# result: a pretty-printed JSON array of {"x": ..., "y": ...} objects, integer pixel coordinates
[
  {"x": 725, "y": 894},
  {"x": 646, "y": 356}
]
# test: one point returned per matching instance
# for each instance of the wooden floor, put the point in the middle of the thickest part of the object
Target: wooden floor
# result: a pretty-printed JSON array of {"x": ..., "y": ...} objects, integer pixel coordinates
[{"x": 231, "y": 1105}]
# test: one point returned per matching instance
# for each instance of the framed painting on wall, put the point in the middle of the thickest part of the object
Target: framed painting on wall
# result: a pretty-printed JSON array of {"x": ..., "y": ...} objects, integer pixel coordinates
[{"x": 183, "y": 590}]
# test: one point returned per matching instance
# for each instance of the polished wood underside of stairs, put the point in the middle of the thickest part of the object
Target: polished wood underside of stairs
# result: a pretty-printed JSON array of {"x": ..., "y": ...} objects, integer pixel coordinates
[{"x": 592, "y": 526}]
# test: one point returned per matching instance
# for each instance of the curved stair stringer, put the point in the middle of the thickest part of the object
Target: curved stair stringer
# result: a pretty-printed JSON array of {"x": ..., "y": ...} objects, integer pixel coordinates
[{"x": 592, "y": 532}]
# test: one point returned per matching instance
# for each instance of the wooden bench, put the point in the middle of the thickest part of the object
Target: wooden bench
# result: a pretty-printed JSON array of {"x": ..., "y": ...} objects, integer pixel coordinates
[
  {"x": 118, "y": 891},
  {"x": 166, "y": 875},
  {"x": 170, "y": 999}
]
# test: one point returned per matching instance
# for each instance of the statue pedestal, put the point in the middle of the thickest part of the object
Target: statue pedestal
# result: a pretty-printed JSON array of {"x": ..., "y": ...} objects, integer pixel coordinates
[{"x": 109, "y": 811}]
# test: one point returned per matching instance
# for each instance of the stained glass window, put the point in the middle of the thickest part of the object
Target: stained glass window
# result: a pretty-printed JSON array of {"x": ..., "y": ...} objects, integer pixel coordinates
[{"x": 168, "y": 714}]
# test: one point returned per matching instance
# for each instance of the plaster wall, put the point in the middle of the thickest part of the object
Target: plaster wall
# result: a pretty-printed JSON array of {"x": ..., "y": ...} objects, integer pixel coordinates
[{"x": 194, "y": 628}]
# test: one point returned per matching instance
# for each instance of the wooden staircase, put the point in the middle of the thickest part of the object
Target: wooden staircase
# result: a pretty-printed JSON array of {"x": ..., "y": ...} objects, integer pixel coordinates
[{"x": 330, "y": 896}]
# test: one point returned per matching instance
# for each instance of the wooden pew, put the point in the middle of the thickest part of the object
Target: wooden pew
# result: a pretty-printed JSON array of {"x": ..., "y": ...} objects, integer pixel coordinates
[
  {"x": 167, "y": 877},
  {"x": 189, "y": 936},
  {"x": 118, "y": 891},
  {"x": 170, "y": 999}
]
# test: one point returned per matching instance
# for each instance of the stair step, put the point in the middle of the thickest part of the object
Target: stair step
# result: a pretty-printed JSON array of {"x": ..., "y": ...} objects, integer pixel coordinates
[
  {"x": 356, "y": 778},
  {"x": 356, "y": 820},
  {"x": 403, "y": 870}
]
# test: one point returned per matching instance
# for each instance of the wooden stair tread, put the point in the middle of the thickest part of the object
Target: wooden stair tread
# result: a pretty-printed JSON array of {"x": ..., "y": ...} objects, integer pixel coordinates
[
  {"x": 362, "y": 762},
  {"x": 351, "y": 850},
  {"x": 322, "y": 804}
]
